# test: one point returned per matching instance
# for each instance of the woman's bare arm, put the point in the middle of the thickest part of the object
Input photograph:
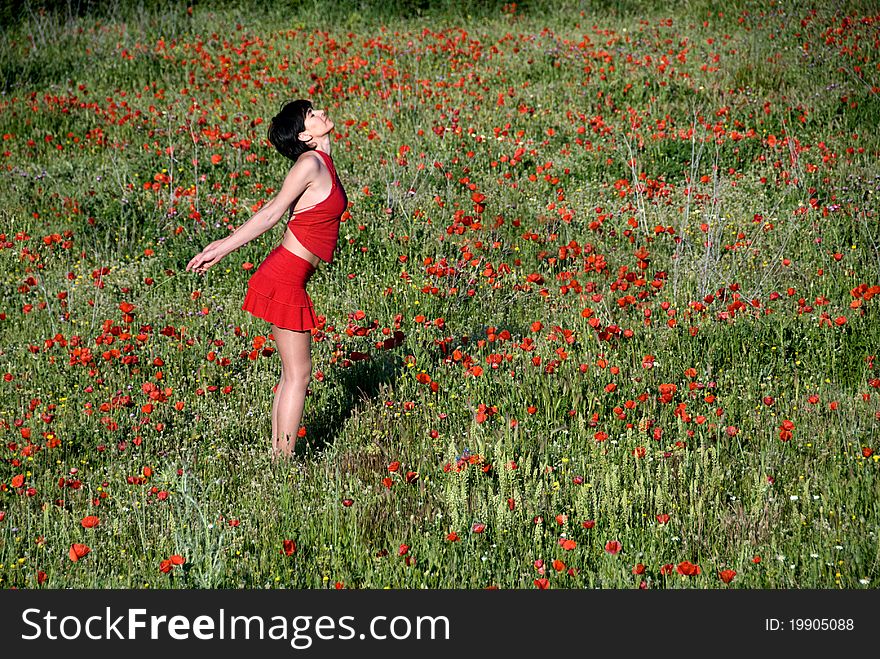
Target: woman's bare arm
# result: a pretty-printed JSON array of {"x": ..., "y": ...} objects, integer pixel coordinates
[{"x": 297, "y": 180}]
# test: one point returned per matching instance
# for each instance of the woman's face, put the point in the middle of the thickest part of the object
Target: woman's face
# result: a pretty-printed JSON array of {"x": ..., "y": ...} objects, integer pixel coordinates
[{"x": 317, "y": 123}]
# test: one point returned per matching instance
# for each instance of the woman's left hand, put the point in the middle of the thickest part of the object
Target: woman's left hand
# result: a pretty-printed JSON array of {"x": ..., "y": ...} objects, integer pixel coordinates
[{"x": 207, "y": 257}]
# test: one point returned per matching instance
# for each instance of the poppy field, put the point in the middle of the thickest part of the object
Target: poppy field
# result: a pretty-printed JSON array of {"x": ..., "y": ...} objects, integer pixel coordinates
[{"x": 605, "y": 310}]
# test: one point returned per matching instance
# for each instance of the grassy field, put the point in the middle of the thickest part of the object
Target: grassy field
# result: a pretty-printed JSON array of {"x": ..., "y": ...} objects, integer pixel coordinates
[{"x": 604, "y": 311}]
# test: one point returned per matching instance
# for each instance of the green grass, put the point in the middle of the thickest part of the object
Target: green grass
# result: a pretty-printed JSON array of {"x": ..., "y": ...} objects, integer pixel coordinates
[{"x": 640, "y": 200}]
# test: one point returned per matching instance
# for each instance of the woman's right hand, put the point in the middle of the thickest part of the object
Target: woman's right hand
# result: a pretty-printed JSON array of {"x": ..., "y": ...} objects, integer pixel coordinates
[{"x": 206, "y": 258}]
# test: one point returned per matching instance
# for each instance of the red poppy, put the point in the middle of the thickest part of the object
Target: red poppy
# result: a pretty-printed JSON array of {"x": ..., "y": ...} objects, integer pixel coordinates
[
  {"x": 347, "y": 502},
  {"x": 667, "y": 569},
  {"x": 663, "y": 519},
  {"x": 478, "y": 527},
  {"x": 394, "y": 466},
  {"x": 613, "y": 546},
  {"x": 402, "y": 550},
  {"x": 727, "y": 575},
  {"x": 41, "y": 577},
  {"x": 18, "y": 480},
  {"x": 561, "y": 519},
  {"x": 90, "y": 522},
  {"x": 558, "y": 565},
  {"x": 412, "y": 476},
  {"x": 567, "y": 544},
  {"x": 543, "y": 583},
  {"x": 288, "y": 547},
  {"x": 77, "y": 551},
  {"x": 453, "y": 537},
  {"x": 785, "y": 430},
  {"x": 688, "y": 569},
  {"x": 588, "y": 524},
  {"x": 165, "y": 566},
  {"x": 177, "y": 559},
  {"x": 387, "y": 482},
  {"x": 638, "y": 569}
]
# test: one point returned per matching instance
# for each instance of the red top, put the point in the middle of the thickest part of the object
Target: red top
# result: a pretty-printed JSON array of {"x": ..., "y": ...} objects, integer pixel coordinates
[{"x": 317, "y": 227}]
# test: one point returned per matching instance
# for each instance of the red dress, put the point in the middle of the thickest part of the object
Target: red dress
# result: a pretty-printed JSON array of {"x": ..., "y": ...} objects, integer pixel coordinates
[{"x": 277, "y": 290}]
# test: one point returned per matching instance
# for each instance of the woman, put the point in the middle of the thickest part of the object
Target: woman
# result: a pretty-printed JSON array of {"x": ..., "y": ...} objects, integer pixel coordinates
[{"x": 276, "y": 291}]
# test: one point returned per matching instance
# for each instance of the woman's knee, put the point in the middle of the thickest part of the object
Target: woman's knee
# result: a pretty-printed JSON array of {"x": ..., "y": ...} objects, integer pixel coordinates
[{"x": 296, "y": 377}]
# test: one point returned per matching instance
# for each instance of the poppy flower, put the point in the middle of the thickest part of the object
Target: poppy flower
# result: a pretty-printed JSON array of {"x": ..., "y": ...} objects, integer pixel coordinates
[
  {"x": 78, "y": 551},
  {"x": 638, "y": 569},
  {"x": 478, "y": 527},
  {"x": 90, "y": 522},
  {"x": 663, "y": 519},
  {"x": 453, "y": 537},
  {"x": 412, "y": 476},
  {"x": 165, "y": 566},
  {"x": 543, "y": 583},
  {"x": 347, "y": 502},
  {"x": 402, "y": 550},
  {"x": 558, "y": 565},
  {"x": 588, "y": 524},
  {"x": 727, "y": 575},
  {"x": 567, "y": 544},
  {"x": 177, "y": 559},
  {"x": 41, "y": 577},
  {"x": 688, "y": 569},
  {"x": 288, "y": 547},
  {"x": 613, "y": 546},
  {"x": 785, "y": 430}
]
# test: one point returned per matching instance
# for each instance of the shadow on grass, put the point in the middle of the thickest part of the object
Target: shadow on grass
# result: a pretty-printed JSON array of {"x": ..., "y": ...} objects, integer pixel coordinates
[{"x": 325, "y": 416}]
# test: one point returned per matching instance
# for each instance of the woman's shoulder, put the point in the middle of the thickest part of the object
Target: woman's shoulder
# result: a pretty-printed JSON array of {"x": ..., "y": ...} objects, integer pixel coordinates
[
  {"x": 313, "y": 155},
  {"x": 310, "y": 161}
]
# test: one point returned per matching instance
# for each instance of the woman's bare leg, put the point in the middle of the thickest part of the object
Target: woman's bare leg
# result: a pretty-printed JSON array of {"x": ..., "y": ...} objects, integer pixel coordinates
[{"x": 290, "y": 394}]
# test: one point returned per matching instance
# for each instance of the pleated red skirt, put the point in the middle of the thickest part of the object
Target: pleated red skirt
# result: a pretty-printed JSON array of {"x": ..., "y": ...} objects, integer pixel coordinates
[{"x": 277, "y": 291}]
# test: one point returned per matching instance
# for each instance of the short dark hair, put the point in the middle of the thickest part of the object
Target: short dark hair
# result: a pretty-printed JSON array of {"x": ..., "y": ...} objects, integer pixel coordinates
[{"x": 285, "y": 127}]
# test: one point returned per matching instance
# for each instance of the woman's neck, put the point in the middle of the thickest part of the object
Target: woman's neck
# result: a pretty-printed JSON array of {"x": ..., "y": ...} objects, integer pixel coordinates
[{"x": 323, "y": 143}]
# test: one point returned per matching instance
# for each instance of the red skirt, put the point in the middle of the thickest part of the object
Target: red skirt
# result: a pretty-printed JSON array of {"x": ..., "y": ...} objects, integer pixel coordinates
[{"x": 277, "y": 291}]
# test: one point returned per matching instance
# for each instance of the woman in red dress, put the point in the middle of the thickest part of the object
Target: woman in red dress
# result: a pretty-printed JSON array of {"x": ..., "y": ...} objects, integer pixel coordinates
[{"x": 316, "y": 200}]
